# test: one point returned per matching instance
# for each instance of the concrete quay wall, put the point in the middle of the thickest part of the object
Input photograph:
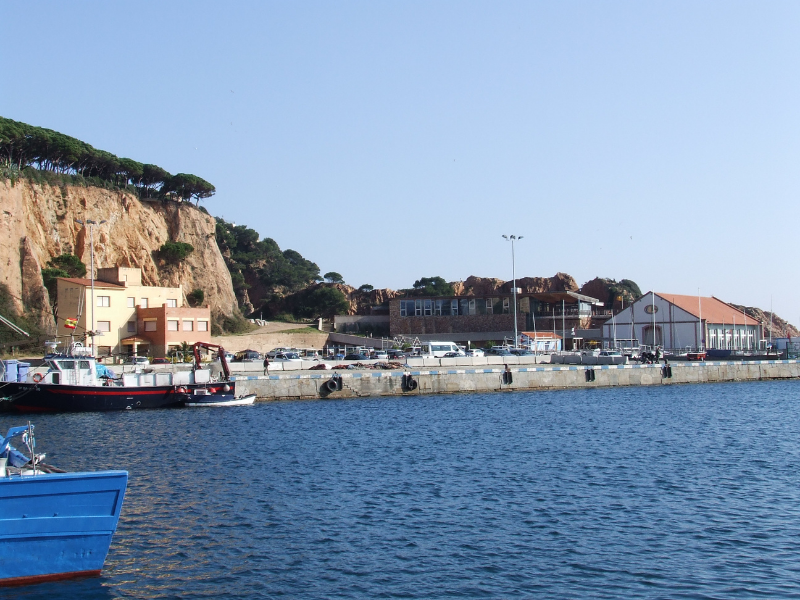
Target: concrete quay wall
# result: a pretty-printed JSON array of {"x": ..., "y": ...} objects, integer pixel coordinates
[{"x": 356, "y": 384}]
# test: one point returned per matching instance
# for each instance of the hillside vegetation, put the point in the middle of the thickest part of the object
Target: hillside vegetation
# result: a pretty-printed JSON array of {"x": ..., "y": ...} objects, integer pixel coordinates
[{"x": 30, "y": 151}]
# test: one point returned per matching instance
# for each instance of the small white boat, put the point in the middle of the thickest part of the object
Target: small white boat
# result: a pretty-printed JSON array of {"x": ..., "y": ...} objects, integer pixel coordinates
[{"x": 203, "y": 397}]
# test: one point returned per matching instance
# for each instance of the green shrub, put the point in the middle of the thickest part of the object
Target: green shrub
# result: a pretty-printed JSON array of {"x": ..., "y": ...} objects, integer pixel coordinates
[
  {"x": 175, "y": 252},
  {"x": 196, "y": 297}
]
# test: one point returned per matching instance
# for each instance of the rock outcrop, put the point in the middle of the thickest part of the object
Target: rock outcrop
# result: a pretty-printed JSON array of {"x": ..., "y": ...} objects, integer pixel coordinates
[
  {"x": 486, "y": 286},
  {"x": 599, "y": 288},
  {"x": 39, "y": 223},
  {"x": 780, "y": 328}
]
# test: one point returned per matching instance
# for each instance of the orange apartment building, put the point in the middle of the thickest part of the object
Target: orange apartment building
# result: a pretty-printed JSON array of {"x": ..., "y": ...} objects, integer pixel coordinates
[{"x": 128, "y": 317}]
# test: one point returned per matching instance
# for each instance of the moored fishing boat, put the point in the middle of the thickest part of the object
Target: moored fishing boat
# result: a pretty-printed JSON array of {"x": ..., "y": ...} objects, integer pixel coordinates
[
  {"x": 76, "y": 382},
  {"x": 214, "y": 394},
  {"x": 53, "y": 525},
  {"x": 202, "y": 397}
]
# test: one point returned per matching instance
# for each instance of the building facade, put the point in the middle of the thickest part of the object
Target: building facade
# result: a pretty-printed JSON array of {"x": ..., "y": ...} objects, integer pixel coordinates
[
  {"x": 678, "y": 321},
  {"x": 128, "y": 316},
  {"x": 474, "y": 318}
]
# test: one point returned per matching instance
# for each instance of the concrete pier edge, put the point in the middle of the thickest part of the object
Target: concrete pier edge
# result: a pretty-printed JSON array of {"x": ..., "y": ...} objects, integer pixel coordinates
[{"x": 365, "y": 383}]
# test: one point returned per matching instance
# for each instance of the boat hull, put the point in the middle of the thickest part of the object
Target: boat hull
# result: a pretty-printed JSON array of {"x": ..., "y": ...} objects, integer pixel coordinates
[
  {"x": 57, "y": 526},
  {"x": 38, "y": 397},
  {"x": 220, "y": 400}
]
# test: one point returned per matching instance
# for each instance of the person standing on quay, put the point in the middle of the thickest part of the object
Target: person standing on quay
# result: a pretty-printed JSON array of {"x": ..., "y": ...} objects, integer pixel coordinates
[{"x": 266, "y": 365}]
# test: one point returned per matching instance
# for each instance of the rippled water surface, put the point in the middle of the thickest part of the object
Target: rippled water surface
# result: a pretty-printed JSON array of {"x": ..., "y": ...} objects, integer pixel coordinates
[{"x": 667, "y": 492}]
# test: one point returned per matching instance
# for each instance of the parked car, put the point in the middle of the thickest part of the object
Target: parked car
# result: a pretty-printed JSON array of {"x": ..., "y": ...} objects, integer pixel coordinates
[
  {"x": 287, "y": 356},
  {"x": 138, "y": 361},
  {"x": 356, "y": 357},
  {"x": 521, "y": 352},
  {"x": 247, "y": 356},
  {"x": 475, "y": 352},
  {"x": 498, "y": 352},
  {"x": 396, "y": 354},
  {"x": 160, "y": 361},
  {"x": 275, "y": 351},
  {"x": 381, "y": 355},
  {"x": 451, "y": 355}
]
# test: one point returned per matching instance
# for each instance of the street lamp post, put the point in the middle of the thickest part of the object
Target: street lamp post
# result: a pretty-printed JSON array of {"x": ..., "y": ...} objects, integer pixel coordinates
[
  {"x": 90, "y": 222},
  {"x": 512, "y": 238}
]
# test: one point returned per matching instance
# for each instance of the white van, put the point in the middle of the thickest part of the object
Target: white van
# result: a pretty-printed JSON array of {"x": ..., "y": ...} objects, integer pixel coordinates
[{"x": 439, "y": 349}]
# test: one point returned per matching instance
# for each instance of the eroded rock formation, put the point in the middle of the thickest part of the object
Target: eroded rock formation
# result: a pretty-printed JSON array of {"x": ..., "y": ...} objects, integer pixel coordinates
[{"x": 39, "y": 222}]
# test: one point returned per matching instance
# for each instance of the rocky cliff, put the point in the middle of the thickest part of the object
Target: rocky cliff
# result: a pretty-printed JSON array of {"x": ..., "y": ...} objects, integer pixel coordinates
[
  {"x": 38, "y": 223},
  {"x": 484, "y": 286},
  {"x": 779, "y": 327}
]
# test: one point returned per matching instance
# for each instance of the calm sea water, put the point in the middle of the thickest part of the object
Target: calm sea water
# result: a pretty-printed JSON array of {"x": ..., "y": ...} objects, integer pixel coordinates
[{"x": 667, "y": 492}]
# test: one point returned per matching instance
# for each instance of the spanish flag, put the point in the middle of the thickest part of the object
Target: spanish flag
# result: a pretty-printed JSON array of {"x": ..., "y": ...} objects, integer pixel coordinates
[{"x": 70, "y": 323}]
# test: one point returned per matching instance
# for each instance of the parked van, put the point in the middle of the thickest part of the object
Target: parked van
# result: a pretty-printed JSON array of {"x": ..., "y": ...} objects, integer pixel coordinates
[{"x": 439, "y": 349}]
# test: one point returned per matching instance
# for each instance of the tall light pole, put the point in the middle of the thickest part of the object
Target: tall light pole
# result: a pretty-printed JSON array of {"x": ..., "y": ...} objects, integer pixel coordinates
[
  {"x": 511, "y": 238},
  {"x": 89, "y": 222}
]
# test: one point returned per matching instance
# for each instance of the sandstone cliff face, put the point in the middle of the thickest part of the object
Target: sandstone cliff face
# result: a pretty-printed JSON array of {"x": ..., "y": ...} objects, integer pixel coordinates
[
  {"x": 599, "y": 288},
  {"x": 780, "y": 328},
  {"x": 38, "y": 223},
  {"x": 485, "y": 286}
]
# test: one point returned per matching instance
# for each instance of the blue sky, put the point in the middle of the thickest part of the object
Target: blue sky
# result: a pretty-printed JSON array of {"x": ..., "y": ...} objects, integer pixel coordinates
[{"x": 389, "y": 141}]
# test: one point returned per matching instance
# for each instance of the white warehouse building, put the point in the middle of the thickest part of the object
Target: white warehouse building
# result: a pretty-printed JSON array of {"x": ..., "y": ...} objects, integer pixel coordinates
[{"x": 677, "y": 321}]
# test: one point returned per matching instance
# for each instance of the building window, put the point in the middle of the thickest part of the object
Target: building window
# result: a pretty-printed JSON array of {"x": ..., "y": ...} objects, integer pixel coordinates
[
  {"x": 437, "y": 308},
  {"x": 131, "y": 326},
  {"x": 428, "y": 307},
  {"x": 172, "y": 303},
  {"x": 150, "y": 326},
  {"x": 403, "y": 308},
  {"x": 188, "y": 325},
  {"x": 506, "y": 305},
  {"x": 489, "y": 310},
  {"x": 418, "y": 308},
  {"x": 202, "y": 326},
  {"x": 131, "y": 302},
  {"x": 104, "y": 301},
  {"x": 104, "y": 351},
  {"x": 143, "y": 303},
  {"x": 454, "y": 307},
  {"x": 463, "y": 308},
  {"x": 172, "y": 325},
  {"x": 104, "y": 326}
]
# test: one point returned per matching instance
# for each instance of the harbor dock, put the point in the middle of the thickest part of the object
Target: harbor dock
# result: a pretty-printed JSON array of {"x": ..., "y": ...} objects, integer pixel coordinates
[{"x": 449, "y": 379}]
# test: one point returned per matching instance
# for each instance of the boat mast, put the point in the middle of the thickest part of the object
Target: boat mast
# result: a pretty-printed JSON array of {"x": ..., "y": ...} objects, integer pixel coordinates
[{"x": 701, "y": 342}]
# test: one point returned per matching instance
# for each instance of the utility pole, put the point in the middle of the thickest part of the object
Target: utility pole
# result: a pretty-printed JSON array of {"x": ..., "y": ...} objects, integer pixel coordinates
[{"x": 511, "y": 238}]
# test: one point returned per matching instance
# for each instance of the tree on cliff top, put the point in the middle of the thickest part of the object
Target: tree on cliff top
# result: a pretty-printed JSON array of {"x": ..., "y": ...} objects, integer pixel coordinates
[
  {"x": 45, "y": 150},
  {"x": 188, "y": 186},
  {"x": 432, "y": 286},
  {"x": 333, "y": 277}
]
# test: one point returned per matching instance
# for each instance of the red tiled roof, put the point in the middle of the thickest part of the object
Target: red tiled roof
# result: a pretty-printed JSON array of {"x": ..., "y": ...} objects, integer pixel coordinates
[
  {"x": 714, "y": 310},
  {"x": 88, "y": 282}
]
